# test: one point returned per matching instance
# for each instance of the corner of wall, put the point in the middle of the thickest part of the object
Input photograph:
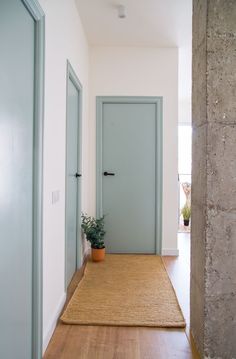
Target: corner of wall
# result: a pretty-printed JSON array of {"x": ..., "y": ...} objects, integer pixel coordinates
[
  {"x": 52, "y": 325},
  {"x": 169, "y": 252}
]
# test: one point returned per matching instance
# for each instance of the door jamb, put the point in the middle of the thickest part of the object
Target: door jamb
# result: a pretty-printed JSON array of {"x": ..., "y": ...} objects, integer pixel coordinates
[
  {"x": 158, "y": 102},
  {"x": 71, "y": 75},
  {"x": 38, "y": 15}
]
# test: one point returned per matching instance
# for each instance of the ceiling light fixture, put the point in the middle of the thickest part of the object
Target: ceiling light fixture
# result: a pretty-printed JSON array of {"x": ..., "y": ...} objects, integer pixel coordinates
[{"x": 121, "y": 12}]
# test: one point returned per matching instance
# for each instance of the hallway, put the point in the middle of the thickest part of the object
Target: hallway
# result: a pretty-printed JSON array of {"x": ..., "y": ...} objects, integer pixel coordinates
[
  {"x": 85, "y": 342},
  {"x": 91, "y": 116}
]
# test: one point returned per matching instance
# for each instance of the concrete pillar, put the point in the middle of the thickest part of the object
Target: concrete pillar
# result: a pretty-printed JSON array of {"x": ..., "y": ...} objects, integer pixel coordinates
[{"x": 213, "y": 252}]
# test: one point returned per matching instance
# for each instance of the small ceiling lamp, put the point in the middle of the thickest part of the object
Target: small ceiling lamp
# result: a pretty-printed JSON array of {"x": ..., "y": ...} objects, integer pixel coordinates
[{"x": 121, "y": 12}]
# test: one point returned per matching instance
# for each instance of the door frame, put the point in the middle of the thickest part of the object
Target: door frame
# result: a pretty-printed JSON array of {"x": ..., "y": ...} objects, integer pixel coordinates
[
  {"x": 71, "y": 75},
  {"x": 38, "y": 15},
  {"x": 158, "y": 102}
]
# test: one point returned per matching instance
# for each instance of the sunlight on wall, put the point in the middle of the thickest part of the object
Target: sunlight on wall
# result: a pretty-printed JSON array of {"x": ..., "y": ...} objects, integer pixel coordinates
[{"x": 185, "y": 149}]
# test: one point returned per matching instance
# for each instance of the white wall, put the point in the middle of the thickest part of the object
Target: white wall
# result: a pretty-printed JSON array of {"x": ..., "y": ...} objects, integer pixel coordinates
[
  {"x": 65, "y": 39},
  {"x": 185, "y": 85},
  {"x": 125, "y": 71}
]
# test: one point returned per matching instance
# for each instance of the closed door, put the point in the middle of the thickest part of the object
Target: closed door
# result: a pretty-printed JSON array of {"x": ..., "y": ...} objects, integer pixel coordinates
[
  {"x": 18, "y": 181},
  {"x": 129, "y": 175},
  {"x": 73, "y": 178}
]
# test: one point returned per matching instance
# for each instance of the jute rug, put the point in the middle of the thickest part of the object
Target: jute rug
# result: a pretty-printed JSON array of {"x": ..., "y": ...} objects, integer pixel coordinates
[{"x": 125, "y": 290}]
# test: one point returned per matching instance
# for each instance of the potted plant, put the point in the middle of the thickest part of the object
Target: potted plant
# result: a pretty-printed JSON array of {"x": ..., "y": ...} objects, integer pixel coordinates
[
  {"x": 186, "y": 213},
  {"x": 94, "y": 230}
]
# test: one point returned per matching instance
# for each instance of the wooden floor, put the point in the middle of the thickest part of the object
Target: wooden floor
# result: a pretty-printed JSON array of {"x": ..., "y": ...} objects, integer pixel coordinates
[{"x": 98, "y": 342}]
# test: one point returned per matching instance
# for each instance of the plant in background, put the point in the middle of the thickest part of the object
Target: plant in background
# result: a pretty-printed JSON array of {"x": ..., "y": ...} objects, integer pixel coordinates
[
  {"x": 186, "y": 213},
  {"x": 94, "y": 230}
]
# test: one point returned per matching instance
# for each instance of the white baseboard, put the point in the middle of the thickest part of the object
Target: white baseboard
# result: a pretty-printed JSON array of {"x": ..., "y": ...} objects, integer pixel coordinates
[
  {"x": 49, "y": 332},
  {"x": 169, "y": 252}
]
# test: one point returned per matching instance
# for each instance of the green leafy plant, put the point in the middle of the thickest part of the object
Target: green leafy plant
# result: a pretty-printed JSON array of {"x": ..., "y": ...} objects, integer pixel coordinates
[
  {"x": 94, "y": 230},
  {"x": 186, "y": 211}
]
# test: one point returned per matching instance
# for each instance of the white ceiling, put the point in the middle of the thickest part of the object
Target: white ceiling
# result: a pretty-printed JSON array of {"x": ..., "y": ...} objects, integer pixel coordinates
[{"x": 162, "y": 23}]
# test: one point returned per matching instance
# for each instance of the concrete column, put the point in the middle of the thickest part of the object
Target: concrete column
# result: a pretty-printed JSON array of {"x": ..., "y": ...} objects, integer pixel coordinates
[{"x": 213, "y": 252}]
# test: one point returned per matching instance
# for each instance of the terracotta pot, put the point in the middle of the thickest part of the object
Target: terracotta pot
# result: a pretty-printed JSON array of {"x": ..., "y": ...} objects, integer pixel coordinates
[{"x": 98, "y": 255}]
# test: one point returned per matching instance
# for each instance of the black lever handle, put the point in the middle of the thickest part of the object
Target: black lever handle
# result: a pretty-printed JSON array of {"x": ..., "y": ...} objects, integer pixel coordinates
[
  {"x": 108, "y": 174},
  {"x": 78, "y": 175}
]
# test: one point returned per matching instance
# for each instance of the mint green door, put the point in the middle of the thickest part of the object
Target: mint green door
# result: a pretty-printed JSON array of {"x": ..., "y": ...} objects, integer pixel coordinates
[
  {"x": 19, "y": 182},
  {"x": 73, "y": 175},
  {"x": 129, "y": 173}
]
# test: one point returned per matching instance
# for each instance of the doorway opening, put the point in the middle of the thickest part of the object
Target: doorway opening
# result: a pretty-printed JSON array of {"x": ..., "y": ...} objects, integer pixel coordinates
[{"x": 184, "y": 176}]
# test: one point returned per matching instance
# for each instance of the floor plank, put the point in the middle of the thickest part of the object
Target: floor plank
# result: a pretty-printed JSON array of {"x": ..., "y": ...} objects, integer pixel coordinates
[{"x": 100, "y": 342}]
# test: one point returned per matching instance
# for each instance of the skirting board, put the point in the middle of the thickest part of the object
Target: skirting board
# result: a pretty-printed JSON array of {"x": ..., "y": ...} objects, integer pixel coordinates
[
  {"x": 169, "y": 252},
  {"x": 49, "y": 332}
]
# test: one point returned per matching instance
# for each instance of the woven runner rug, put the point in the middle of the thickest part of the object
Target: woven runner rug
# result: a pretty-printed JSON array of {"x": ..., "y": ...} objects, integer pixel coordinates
[{"x": 125, "y": 290}]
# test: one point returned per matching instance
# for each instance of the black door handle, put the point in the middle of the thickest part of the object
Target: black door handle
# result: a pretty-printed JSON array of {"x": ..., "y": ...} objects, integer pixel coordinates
[
  {"x": 108, "y": 174},
  {"x": 78, "y": 175}
]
